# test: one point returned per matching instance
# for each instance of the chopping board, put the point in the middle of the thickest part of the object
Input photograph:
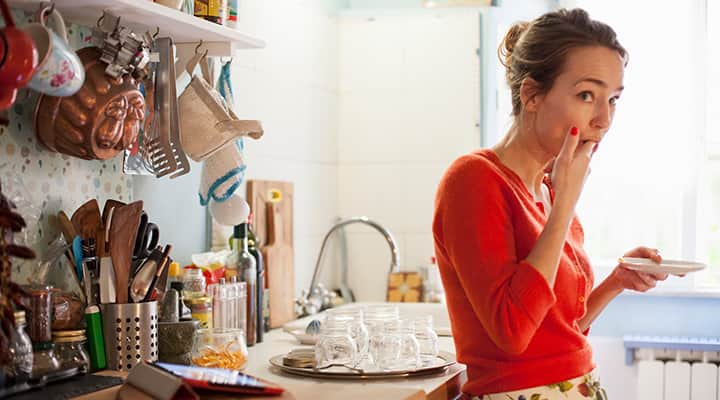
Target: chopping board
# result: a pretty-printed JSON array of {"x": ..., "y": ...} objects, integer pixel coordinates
[{"x": 271, "y": 203}]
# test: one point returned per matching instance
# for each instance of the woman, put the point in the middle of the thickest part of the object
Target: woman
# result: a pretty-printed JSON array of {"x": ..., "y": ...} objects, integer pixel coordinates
[{"x": 519, "y": 285}]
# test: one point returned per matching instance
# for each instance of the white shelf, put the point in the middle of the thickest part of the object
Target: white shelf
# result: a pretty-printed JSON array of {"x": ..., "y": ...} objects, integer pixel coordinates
[{"x": 144, "y": 15}]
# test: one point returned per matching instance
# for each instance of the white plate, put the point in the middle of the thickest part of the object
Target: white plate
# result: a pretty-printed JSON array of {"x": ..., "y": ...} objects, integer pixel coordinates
[
  {"x": 666, "y": 266},
  {"x": 302, "y": 337}
]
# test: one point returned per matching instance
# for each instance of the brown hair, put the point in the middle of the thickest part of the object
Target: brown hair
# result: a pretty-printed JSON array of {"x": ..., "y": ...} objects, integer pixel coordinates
[{"x": 537, "y": 49}]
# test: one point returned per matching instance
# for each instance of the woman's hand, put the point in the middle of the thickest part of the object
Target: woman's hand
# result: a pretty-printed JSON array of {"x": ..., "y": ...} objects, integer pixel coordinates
[
  {"x": 570, "y": 169},
  {"x": 635, "y": 280}
]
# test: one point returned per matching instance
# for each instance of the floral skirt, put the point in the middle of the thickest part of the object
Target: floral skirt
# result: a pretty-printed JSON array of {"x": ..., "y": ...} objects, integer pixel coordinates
[{"x": 580, "y": 388}]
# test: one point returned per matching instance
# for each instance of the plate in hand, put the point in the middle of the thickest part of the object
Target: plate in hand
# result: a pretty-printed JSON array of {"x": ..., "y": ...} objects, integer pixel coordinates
[{"x": 675, "y": 267}]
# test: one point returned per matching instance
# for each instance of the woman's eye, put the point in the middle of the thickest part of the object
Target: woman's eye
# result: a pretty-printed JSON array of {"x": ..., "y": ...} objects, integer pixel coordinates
[
  {"x": 614, "y": 100},
  {"x": 586, "y": 96}
]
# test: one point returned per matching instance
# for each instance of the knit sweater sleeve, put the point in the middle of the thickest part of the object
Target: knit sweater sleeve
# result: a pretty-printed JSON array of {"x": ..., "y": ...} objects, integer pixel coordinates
[{"x": 473, "y": 227}]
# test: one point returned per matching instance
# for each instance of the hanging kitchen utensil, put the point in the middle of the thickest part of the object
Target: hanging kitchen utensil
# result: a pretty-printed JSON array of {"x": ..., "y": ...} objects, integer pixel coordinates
[
  {"x": 163, "y": 150},
  {"x": 207, "y": 124},
  {"x": 99, "y": 121}
]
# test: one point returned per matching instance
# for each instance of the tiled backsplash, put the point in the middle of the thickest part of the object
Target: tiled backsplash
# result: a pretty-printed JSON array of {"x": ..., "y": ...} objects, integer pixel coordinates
[{"x": 52, "y": 181}]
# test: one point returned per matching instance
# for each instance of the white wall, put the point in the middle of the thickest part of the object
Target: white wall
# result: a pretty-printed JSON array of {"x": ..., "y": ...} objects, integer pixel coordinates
[
  {"x": 409, "y": 105},
  {"x": 291, "y": 87}
]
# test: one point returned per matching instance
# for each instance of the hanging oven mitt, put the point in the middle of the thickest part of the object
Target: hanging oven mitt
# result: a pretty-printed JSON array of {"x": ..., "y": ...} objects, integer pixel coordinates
[{"x": 206, "y": 122}]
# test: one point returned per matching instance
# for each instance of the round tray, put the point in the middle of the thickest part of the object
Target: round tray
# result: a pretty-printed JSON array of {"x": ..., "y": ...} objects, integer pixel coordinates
[{"x": 442, "y": 361}]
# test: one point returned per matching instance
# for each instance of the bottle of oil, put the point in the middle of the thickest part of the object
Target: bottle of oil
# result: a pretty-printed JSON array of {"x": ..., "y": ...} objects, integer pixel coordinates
[
  {"x": 263, "y": 316},
  {"x": 247, "y": 270}
]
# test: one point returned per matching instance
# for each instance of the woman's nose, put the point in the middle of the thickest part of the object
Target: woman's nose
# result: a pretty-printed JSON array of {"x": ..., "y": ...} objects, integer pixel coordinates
[{"x": 603, "y": 117}]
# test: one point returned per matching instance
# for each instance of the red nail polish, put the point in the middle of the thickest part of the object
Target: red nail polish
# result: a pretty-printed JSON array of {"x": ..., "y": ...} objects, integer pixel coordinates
[
  {"x": 574, "y": 131},
  {"x": 595, "y": 147}
]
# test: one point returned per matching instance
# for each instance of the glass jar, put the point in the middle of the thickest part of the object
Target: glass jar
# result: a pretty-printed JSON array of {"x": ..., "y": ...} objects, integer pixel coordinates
[
  {"x": 376, "y": 316},
  {"x": 220, "y": 348},
  {"x": 70, "y": 349},
  {"x": 41, "y": 314},
  {"x": 400, "y": 349},
  {"x": 201, "y": 309},
  {"x": 21, "y": 352},
  {"x": 45, "y": 360},
  {"x": 335, "y": 345},
  {"x": 427, "y": 338},
  {"x": 354, "y": 316},
  {"x": 193, "y": 283}
]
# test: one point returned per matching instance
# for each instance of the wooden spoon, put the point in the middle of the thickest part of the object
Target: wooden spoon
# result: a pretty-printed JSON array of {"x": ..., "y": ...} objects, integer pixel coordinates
[
  {"x": 123, "y": 232},
  {"x": 103, "y": 246},
  {"x": 69, "y": 232},
  {"x": 89, "y": 222}
]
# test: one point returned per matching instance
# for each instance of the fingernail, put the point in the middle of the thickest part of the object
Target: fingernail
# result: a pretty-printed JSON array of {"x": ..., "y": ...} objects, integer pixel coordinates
[
  {"x": 595, "y": 147},
  {"x": 574, "y": 131}
]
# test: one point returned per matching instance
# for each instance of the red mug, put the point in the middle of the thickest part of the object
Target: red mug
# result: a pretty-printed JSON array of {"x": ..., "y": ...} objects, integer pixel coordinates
[{"x": 18, "y": 55}]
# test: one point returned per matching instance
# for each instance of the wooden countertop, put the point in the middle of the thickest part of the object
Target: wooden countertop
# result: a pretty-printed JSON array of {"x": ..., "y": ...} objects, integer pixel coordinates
[{"x": 442, "y": 386}]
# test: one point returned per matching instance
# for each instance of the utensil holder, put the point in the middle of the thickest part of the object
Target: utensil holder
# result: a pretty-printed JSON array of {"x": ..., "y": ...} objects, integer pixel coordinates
[{"x": 130, "y": 332}]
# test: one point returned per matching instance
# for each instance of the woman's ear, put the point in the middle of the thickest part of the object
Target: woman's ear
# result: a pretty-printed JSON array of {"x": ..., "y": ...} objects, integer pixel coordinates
[{"x": 530, "y": 94}]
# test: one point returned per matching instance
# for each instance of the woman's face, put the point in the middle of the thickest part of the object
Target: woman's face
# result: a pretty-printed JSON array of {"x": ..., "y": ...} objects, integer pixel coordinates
[{"x": 583, "y": 95}]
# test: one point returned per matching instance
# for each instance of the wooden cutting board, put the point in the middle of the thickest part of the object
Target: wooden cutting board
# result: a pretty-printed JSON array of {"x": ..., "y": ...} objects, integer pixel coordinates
[{"x": 271, "y": 203}]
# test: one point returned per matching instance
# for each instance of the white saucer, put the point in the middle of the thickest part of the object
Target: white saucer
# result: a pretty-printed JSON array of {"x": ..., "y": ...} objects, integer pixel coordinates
[{"x": 675, "y": 267}]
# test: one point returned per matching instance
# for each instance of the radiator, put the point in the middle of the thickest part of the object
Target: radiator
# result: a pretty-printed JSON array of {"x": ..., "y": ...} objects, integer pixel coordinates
[{"x": 675, "y": 368}]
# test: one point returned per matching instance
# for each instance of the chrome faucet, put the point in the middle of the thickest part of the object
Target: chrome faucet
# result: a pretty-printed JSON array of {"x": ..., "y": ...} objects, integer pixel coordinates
[{"x": 312, "y": 301}]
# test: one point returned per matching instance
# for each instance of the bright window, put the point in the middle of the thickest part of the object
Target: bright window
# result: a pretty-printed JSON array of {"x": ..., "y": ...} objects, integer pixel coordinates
[
  {"x": 653, "y": 182},
  {"x": 651, "y": 172}
]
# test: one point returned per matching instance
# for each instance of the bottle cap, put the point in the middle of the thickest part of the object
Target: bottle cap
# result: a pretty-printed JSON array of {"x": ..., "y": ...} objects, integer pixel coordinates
[{"x": 174, "y": 269}]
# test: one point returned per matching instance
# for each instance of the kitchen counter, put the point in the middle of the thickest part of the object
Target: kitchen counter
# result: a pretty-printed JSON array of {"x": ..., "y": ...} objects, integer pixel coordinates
[{"x": 441, "y": 386}]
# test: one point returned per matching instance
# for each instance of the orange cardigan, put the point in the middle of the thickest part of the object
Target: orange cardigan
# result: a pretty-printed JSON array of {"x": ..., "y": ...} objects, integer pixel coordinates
[{"x": 510, "y": 328}]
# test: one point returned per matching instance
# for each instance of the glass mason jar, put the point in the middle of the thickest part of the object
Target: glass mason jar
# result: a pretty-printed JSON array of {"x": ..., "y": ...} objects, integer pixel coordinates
[
  {"x": 220, "y": 348},
  {"x": 335, "y": 345},
  {"x": 70, "y": 349},
  {"x": 427, "y": 339},
  {"x": 354, "y": 316},
  {"x": 375, "y": 319},
  {"x": 400, "y": 349},
  {"x": 21, "y": 352}
]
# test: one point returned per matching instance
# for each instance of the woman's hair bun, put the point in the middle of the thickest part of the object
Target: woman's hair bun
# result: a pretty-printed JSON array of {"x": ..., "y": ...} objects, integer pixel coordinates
[{"x": 507, "y": 46}]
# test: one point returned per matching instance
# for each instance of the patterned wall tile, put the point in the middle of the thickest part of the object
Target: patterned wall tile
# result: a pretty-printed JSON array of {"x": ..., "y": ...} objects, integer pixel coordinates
[{"x": 49, "y": 181}]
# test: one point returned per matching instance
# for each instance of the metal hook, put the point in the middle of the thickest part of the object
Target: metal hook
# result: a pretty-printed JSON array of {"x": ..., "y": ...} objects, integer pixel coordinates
[
  {"x": 157, "y": 32},
  {"x": 51, "y": 10},
  {"x": 205, "y": 54},
  {"x": 198, "y": 46},
  {"x": 99, "y": 21}
]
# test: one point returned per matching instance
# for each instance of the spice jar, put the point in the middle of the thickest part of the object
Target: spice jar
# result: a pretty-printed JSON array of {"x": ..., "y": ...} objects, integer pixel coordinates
[
  {"x": 193, "y": 283},
  {"x": 21, "y": 353},
  {"x": 70, "y": 349},
  {"x": 41, "y": 313},
  {"x": 201, "y": 310}
]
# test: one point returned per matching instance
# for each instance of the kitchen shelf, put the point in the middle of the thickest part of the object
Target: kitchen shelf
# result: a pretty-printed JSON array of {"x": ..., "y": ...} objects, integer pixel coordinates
[{"x": 145, "y": 15}]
